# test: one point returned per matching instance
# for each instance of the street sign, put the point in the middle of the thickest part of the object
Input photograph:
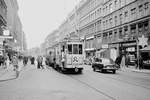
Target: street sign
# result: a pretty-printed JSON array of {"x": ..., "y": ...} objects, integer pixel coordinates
[{"x": 6, "y": 37}]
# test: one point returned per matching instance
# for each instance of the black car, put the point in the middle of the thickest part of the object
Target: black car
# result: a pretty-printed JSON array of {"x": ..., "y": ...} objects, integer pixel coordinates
[{"x": 104, "y": 64}]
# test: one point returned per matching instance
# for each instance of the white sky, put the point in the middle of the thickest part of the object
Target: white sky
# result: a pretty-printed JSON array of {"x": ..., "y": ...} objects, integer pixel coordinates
[{"x": 41, "y": 17}]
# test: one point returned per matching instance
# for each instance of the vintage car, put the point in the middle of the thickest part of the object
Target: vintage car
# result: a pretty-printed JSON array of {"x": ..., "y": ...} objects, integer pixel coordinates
[{"x": 104, "y": 64}]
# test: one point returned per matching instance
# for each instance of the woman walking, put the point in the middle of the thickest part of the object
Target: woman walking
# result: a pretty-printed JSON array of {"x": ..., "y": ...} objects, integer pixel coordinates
[{"x": 15, "y": 65}]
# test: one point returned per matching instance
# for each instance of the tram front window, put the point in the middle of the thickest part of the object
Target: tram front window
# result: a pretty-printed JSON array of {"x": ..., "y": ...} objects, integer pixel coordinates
[
  {"x": 80, "y": 49},
  {"x": 75, "y": 49},
  {"x": 70, "y": 49}
]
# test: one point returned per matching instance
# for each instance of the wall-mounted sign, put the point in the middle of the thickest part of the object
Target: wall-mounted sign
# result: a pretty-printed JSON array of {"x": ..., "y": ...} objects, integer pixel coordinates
[
  {"x": 143, "y": 41},
  {"x": 104, "y": 46}
]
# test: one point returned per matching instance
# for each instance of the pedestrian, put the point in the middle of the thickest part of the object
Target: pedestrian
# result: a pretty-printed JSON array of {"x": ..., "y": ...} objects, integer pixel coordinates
[
  {"x": 63, "y": 59},
  {"x": 32, "y": 60},
  {"x": 123, "y": 65},
  {"x": 7, "y": 62},
  {"x": 127, "y": 60},
  {"x": 43, "y": 62},
  {"x": 140, "y": 62},
  {"x": 118, "y": 60},
  {"x": 15, "y": 65},
  {"x": 39, "y": 61}
]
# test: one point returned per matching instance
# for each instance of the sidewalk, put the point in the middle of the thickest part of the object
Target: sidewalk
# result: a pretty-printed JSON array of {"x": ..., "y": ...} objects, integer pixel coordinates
[
  {"x": 7, "y": 74},
  {"x": 133, "y": 69}
]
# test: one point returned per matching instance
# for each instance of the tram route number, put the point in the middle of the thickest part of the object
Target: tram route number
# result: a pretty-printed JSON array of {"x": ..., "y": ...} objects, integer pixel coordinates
[{"x": 75, "y": 59}]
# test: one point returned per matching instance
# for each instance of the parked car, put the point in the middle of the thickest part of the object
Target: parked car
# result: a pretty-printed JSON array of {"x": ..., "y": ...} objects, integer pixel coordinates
[{"x": 104, "y": 64}]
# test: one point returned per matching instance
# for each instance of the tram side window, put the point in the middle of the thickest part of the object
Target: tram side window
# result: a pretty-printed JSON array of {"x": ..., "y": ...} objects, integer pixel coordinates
[
  {"x": 70, "y": 49},
  {"x": 75, "y": 49},
  {"x": 80, "y": 49}
]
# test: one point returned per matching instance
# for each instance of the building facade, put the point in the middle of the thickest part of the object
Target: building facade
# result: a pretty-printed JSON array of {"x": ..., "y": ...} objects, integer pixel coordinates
[
  {"x": 110, "y": 28},
  {"x": 3, "y": 22},
  {"x": 14, "y": 26},
  {"x": 113, "y": 26}
]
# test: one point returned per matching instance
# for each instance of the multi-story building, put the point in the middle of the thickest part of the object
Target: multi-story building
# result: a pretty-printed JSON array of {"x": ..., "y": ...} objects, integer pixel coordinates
[
  {"x": 3, "y": 22},
  {"x": 14, "y": 25},
  {"x": 3, "y": 15},
  {"x": 50, "y": 40},
  {"x": 90, "y": 18},
  {"x": 110, "y": 28},
  {"x": 124, "y": 22},
  {"x": 114, "y": 27}
]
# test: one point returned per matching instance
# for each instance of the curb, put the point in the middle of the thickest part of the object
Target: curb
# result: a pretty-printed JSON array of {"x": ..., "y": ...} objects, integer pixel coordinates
[{"x": 132, "y": 70}]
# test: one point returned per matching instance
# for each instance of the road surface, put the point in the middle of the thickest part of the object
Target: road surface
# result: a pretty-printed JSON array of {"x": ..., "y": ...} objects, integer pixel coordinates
[{"x": 48, "y": 84}]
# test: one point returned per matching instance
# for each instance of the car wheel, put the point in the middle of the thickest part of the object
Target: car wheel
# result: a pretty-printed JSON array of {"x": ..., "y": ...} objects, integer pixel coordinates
[
  {"x": 114, "y": 71},
  {"x": 94, "y": 69},
  {"x": 103, "y": 71}
]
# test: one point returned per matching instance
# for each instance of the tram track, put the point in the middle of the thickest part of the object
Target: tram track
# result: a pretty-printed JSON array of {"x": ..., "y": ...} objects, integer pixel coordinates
[
  {"x": 89, "y": 86},
  {"x": 93, "y": 88},
  {"x": 124, "y": 81},
  {"x": 102, "y": 91}
]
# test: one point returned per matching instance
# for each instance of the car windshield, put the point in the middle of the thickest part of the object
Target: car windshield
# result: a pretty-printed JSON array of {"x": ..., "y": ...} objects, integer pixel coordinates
[{"x": 107, "y": 61}]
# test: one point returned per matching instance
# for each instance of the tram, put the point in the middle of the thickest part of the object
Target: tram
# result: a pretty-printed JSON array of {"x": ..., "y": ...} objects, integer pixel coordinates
[{"x": 68, "y": 55}]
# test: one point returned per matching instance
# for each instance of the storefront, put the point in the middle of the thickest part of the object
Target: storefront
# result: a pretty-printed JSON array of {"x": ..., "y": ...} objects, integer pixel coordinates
[
  {"x": 129, "y": 50},
  {"x": 145, "y": 54}
]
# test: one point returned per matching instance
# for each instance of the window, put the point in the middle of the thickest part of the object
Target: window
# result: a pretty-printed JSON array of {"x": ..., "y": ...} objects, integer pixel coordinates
[
  {"x": 115, "y": 20},
  {"x": 106, "y": 9},
  {"x": 120, "y": 18},
  {"x": 110, "y": 33},
  {"x": 110, "y": 7},
  {"x": 69, "y": 48},
  {"x": 120, "y": 32},
  {"x": 126, "y": 28},
  {"x": 146, "y": 25},
  {"x": 106, "y": 23},
  {"x": 110, "y": 21},
  {"x": 146, "y": 5},
  {"x": 140, "y": 8},
  {"x": 105, "y": 35},
  {"x": 126, "y": 14},
  {"x": 75, "y": 49},
  {"x": 115, "y": 3},
  {"x": 80, "y": 48},
  {"x": 133, "y": 11}
]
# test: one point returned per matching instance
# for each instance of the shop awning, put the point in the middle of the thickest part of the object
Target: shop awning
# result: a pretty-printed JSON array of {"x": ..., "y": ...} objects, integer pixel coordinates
[{"x": 146, "y": 49}]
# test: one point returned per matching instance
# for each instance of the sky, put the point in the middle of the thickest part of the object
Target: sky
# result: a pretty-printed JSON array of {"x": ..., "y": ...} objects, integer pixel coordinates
[{"x": 40, "y": 17}]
